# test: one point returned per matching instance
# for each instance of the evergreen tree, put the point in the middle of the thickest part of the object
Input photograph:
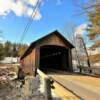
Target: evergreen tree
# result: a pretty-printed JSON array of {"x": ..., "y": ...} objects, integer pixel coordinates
[
  {"x": 14, "y": 50},
  {"x": 8, "y": 49},
  {"x": 21, "y": 49},
  {"x": 1, "y": 51}
]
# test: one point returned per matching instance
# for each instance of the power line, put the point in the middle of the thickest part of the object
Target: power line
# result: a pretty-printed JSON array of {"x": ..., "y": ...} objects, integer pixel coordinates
[{"x": 30, "y": 20}]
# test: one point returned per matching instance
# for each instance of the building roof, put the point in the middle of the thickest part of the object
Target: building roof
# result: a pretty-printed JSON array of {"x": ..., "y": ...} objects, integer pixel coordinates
[{"x": 33, "y": 44}]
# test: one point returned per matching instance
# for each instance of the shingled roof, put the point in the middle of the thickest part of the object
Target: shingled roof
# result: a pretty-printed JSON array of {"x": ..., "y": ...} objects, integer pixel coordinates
[{"x": 33, "y": 44}]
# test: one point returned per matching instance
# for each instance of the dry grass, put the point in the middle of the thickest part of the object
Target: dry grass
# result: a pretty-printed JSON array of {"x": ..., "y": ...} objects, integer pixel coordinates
[{"x": 95, "y": 58}]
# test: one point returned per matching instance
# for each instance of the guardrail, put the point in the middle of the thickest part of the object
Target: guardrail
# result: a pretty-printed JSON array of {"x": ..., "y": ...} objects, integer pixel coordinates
[
  {"x": 61, "y": 91},
  {"x": 88, "y": 67},
  {"x": 47, "y": 84},
  {"x": 94, "y": 70}
]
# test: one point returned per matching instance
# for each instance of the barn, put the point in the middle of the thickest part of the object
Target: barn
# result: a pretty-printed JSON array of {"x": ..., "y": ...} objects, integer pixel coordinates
[{"x": 52, "y": 51}]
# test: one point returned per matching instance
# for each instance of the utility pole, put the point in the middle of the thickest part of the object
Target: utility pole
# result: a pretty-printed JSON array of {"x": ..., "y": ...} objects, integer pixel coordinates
[{"x": 84, "y": 46}]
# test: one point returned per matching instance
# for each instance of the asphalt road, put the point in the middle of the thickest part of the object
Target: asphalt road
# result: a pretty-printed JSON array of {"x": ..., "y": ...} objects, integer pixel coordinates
[{"x": 86, "y": 87}]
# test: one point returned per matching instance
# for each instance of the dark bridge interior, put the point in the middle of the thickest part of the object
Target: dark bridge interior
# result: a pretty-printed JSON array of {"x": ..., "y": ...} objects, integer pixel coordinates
[{"x": 53, "y": 57}]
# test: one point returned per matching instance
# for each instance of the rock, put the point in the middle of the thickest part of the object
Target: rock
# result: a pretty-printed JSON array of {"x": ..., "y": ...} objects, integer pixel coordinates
[{"x": 29, "y": 91}]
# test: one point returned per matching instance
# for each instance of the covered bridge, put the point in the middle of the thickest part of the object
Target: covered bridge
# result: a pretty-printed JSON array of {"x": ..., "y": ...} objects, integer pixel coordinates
[{"x": 52, "y": 51}]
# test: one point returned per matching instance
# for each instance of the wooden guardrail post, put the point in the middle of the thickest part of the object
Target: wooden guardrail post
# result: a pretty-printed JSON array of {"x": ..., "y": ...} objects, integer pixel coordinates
[
  {"x": 47, "y": 84},
  {"x": 47, "y": 89}
]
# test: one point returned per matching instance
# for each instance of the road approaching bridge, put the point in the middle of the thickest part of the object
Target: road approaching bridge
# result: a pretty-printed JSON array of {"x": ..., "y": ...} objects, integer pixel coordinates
[
  {"x": 84, "y": 86},
  {"x": 56, "y": 93}
]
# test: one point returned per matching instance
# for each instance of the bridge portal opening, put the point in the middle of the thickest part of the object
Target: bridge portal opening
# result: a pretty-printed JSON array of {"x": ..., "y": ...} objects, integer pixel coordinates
[{"x": 54, "y": 58}]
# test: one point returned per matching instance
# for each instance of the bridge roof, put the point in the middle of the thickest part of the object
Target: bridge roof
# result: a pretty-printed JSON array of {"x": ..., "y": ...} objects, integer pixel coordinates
[{"x": 33, "y": 44}]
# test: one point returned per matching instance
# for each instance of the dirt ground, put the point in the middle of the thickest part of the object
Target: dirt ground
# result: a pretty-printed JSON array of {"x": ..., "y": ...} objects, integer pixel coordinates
[
  {"x": 12, "y": 89},
  {"x": 15, "y": 90}
]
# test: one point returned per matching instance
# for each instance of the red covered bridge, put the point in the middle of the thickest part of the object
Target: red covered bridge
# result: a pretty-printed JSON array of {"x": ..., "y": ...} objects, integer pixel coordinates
[{"x": 52, "y": 51}]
